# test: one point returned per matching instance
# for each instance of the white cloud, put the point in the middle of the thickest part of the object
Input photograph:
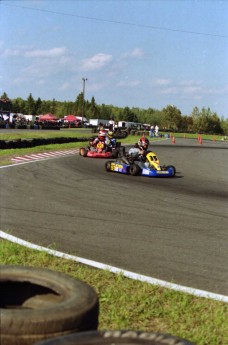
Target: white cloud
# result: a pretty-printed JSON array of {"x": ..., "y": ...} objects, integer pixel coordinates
[
  {"x": 191, "y": 89},
  {"x": 170, "y": 91},
  {"x": 129, "y": 83},
  {"x": 161, "y": 82},
  {"x": 97, "y": 61},
  {"x": 184, "y": 88},
  {"x": 97, "y": 86},
  {"x": 41, "y": 82},
  {"x": 137, "y": 53},
  {"x": 65, "y": 86},
  {"x": 11, "y": 52},
  {"x": 190, "y": 83},
  {"x": 34, "y": 53},
  {"x": 48, "y": 53},
  {"x": 221, "y": 91}
]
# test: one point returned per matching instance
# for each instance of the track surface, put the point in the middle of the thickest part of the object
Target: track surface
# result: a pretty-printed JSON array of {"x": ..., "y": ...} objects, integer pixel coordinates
[{"x": 172, "y": 229}]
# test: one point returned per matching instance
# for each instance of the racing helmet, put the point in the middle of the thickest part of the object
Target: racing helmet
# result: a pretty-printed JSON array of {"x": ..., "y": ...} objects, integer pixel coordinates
[
  {"x": 101, "y": 135},
  {"x": 139, "y": 142},
  {"x": 144, "y": 142},
  {"x": 110, "y": 134}
]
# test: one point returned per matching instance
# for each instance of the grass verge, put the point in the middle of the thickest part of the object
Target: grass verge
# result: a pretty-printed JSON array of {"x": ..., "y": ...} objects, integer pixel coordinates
[{"x": 133, "y": 305}]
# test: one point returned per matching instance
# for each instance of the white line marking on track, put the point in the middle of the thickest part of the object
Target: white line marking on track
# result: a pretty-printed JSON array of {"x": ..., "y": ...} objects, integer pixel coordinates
[{"x": 128, "y": 274}]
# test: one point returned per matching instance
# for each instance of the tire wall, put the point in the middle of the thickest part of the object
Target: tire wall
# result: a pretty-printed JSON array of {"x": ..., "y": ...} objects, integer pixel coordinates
[
  {"x": 20, "y": 143},
  {"x": 38, "y": 304},
  {"x": 126, "y": 337}
]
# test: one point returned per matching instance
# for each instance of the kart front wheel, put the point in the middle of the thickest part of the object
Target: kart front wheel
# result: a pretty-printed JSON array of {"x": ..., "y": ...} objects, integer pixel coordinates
[
  {"x": 108, "y": 166},
  {"x": 83, "y": 152},
  {"x": 134, "y": 170},
  {"x": 172, "y": 169}
]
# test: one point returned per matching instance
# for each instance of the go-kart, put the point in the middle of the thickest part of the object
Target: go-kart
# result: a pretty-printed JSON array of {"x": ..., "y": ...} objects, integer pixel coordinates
[
  {"x": 101, "y": 150},
  {"x": 147, "y": 164}
]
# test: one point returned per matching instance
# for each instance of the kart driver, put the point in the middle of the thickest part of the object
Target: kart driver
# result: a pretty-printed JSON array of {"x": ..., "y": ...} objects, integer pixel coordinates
[
  {"x": 139, "y": 151},
  {"x": 101, "y": 137},
  {"x": 143, "y": 144},
  {"x": 110, "y": 140}
]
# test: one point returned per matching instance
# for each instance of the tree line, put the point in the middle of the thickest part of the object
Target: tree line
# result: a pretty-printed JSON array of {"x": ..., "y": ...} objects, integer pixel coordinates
[{"x": 169, "y": 118}]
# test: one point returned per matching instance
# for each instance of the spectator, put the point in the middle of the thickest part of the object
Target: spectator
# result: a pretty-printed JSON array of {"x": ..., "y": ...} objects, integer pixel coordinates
[
  {"x": 151, "y": 131},
  {"x": 111, "y": 124},
  {"x": 156, "y": 130}
]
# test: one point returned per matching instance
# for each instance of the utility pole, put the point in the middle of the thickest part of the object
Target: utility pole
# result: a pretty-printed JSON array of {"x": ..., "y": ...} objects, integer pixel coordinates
[{"x": 83, "y": 96}]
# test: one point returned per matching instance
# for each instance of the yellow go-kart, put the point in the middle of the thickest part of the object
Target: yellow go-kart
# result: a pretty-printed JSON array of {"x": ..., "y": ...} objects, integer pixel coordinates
[{"x": 144, "y": 165}]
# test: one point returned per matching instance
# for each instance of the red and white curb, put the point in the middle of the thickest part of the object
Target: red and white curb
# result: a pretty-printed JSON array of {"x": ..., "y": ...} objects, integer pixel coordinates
[{"x": 44, "y": 155}]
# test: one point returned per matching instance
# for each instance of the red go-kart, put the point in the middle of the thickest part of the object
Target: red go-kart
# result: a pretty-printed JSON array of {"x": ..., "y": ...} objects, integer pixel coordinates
[{"x": 101, "y": 150}]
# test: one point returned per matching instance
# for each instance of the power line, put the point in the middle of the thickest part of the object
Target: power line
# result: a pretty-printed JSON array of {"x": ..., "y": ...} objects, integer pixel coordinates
[{"x": 116, "y": 21}]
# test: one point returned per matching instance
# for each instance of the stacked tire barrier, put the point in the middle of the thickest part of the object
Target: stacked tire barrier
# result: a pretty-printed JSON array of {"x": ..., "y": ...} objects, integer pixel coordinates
[
  {"x": 116, "y": 337},
  {"x": 43, "y": 307},
  {"x": 37, "y": 304},
  {"x": 23, "y": 143}
]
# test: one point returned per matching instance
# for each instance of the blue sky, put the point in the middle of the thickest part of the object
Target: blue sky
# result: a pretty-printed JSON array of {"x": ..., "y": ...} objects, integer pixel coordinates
[{"x": 133, "y": 53}]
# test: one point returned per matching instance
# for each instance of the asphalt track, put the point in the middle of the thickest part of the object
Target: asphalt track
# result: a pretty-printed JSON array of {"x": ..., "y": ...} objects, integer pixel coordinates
[{"x": 173, "y": 229}]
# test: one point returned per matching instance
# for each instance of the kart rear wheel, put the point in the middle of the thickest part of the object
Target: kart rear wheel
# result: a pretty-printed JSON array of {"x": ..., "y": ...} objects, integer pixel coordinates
[
  {"x": 122, "y": 151},
  {"x": 134, "y": 170},
  {"x": 85, "y": 153},
  {"x": 171, "y": 167},
  {"x": 108, "y": 166},
  {"x": 115, "y": 154}
]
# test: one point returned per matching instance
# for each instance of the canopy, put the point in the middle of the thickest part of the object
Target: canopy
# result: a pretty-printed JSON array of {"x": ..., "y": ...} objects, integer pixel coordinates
[
  {"x": 48, "y": 117},
  {"x": 71, "y": 118}
]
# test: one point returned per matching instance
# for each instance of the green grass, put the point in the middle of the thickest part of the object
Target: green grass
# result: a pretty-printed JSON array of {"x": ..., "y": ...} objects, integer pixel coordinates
[
  {"x": 195, "y": 136},
  {"x": 134, "y": 305},
  {"x": 33, "y": 134}
]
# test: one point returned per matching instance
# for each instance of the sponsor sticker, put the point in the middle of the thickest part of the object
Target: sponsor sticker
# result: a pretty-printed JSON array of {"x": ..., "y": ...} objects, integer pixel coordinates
[{"x": 145, "y": 172}]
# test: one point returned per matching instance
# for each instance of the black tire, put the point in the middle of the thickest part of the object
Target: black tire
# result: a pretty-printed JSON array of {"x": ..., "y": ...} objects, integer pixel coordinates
[
  {"x": 115, "y": 154},
  {"x": 122, "y": 151},
  {"x": 85, "y": 152},
  {"x": 173, "y": 169},
  {"x": 108, "y": 166},
  {"x": 117, "y": 337},
  {"x": 134, "y": 170},
  {"x": 81, "y": 151},
  {"x": 37, "y": 304}
]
